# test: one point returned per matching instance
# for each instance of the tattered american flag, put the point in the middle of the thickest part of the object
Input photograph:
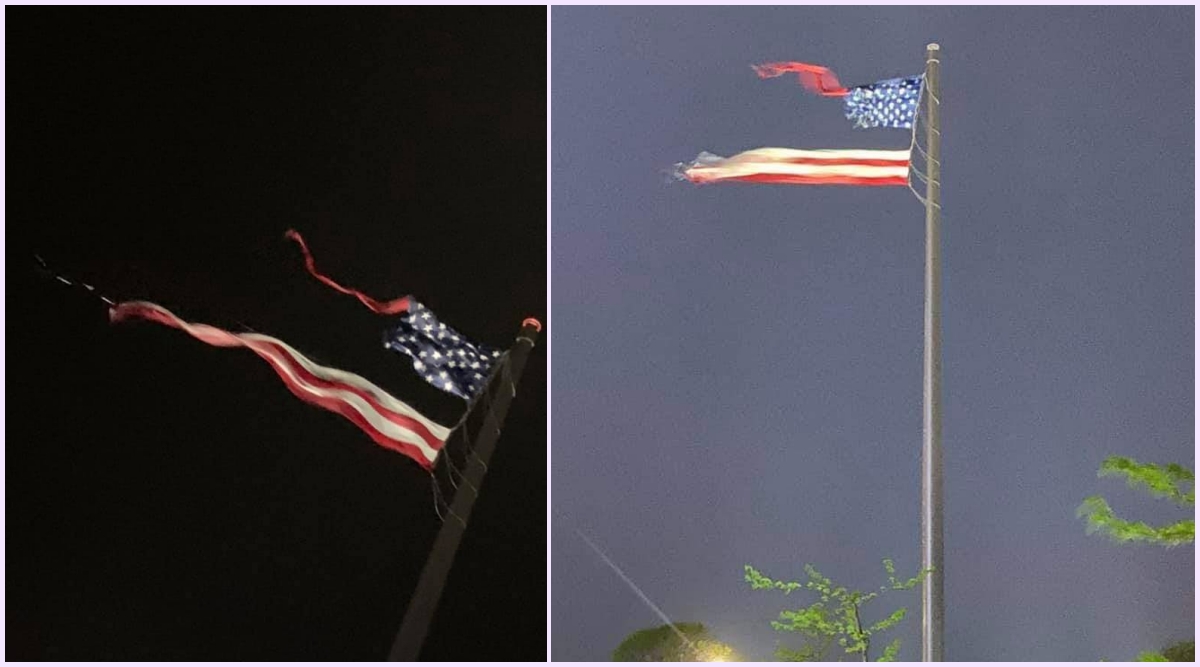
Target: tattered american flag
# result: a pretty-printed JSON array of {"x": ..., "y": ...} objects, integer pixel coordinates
[
  {"x": 801, "y": 167},
  {"x": 388, "y": 421},
  {"x": 441, "y": 355},
  {"x": 887, "y": 103}
]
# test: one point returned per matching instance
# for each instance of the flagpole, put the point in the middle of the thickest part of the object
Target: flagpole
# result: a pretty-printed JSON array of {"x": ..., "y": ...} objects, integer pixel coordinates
[
  {"x": 932, "y": 606},
  {"x": 424, "y": 601}
]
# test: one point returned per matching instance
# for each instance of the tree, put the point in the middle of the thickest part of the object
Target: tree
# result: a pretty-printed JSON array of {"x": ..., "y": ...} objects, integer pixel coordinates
[
  {"x": 1181, "y": 652},
  {"x": 1161, "y": 481},
  {"x": 836, "y": 616},
  {"x": 681, "y": 642}
]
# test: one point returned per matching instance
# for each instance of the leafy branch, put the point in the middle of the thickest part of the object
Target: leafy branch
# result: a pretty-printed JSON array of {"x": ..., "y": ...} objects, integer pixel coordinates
[
  {"x": 1161, "y": 481},
  {"x": 835, "y": 615}
]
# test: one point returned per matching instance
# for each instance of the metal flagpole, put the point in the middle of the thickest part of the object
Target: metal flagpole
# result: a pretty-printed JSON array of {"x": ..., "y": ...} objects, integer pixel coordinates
[
  {"x": 424, "y": 601},
  {"x": 932, "y": 606}
]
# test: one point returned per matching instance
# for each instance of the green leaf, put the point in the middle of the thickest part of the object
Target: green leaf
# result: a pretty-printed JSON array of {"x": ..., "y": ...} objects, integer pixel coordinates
[
  {"x": 1101, "y": 519},
  {"x": 889, "y": 653},
  {"x": 758, "y": 581},
  {"x": 888, "y": 622},
  {"x": 1161, "y": 481},
  {"x": 835, "y": 616}
]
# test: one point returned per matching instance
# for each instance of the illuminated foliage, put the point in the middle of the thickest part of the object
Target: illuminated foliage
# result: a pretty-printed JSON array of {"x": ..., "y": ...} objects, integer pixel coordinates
[
  {"x": 1161, "y": 481},
  {"x": 836, "y": 616},
  {"x": 1181, "y": 652},
  {"x": 665, "y": 644}
]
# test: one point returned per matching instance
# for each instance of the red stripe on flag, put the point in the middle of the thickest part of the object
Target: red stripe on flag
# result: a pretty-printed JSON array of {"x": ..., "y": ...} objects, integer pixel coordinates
[
  {"x": 802, "y": 167},
  {"x": 302, "y": 372},
  {"x": 832, "y": 162},
  {"x": 355, "y": 398},
  {"x": 796, "y": 179},
  {"x": 342, "y": 408}
]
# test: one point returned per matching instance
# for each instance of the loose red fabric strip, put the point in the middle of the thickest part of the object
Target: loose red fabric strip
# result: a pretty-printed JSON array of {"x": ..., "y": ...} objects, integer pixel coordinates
[
  {"x": 818, "y": 79},
  {"x": 392, "y": 307}
]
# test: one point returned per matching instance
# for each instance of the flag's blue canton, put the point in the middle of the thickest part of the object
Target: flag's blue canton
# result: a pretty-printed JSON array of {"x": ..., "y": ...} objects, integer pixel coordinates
[
  {"x": 890, "y": 103},
  {"x": 440, "y": 354}
]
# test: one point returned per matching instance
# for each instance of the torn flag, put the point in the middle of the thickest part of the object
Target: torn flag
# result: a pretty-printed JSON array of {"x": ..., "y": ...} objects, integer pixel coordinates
[
  {"x": 386, "y": 420},
  {"x": 441, "y": 355},
  {"x": 801, "y": 167},
  {"x": 887, "y": 103}
]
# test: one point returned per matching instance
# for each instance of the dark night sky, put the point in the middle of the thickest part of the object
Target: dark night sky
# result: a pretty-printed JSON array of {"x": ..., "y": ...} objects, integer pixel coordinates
[
  {"x": 738, "y": 367},
  {"x": 167, "y": 500}
]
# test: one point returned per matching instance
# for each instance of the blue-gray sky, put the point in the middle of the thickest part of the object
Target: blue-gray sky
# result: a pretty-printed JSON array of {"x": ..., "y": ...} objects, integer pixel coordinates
[{"x": 737, "y": 368}]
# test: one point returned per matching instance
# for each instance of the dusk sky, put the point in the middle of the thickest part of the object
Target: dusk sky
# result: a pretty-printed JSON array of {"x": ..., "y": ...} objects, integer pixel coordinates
[
  {"x": 737, "y": 368},
  {"x": 168, "y": 500}
]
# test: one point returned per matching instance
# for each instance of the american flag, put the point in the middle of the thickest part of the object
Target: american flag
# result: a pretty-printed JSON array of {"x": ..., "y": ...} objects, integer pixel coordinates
[
  {"x": 887, "y": 103},
  {"x": 386, "y": 420},
  {"x": 441, "y": 355},
  {"x": 801, "y": 167}
]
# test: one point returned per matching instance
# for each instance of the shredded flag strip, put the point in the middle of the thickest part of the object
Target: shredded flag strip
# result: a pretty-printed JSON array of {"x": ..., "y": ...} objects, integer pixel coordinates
[
  {"x": 389, "y": 422},
  {"x": 802, "y": 167},
  {"x": 887, "y": 103},
  {"x": 392, "y": 307},
  {"x": 441, "y": 355}
]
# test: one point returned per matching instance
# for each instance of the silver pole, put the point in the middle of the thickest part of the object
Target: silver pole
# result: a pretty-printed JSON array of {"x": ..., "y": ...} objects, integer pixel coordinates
[
  {"x": 424, "y": 601},
  {"x": 932, "y": 606}
]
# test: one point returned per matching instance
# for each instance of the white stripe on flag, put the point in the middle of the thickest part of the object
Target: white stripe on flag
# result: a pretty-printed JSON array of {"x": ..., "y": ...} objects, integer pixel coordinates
[
  {"x": 388, "y": 421},
  {"x": 769, "y": 154},
  {"x": 799, "y": 167}
]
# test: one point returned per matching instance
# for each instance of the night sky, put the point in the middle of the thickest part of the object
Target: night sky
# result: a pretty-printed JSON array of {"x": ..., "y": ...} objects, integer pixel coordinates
[
  {"x": 738, "y": 367},
  {"x": 167, "y": 500}
]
